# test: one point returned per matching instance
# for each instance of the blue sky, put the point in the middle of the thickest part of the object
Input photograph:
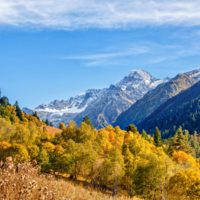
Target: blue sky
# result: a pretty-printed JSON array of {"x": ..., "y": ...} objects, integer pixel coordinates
[{"x": 55, "y": 49}]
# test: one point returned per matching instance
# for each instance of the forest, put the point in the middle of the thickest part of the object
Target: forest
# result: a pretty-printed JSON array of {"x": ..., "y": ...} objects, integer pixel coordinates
[
  {"x": 111, "y": 160},
  {"x": 181, "y": 110}
]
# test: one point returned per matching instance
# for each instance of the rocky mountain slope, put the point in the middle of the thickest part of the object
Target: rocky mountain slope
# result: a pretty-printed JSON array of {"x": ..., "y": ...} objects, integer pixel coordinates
[
  {"x": 105, "y": 109},
  {"x": 153, "y": 99},
  {"x": 181, "y": 110},
  {"x": 102, "y": 106},
  {"x": 65, "y": 111}
]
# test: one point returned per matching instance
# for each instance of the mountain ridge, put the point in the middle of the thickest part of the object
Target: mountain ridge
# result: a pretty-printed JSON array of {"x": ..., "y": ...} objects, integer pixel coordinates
[
  {"x": 181, "y": 110},
  {"x": 131, "y": 88},
  {"x": 153, "y": 99}
]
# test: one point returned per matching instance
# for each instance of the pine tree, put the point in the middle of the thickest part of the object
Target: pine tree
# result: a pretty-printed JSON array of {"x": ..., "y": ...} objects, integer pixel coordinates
[
  {"x": 87, "y": 120},
  {"x": 144, "y": 135},
  {"x": 4, "y": 101},
  {"x": 18, "y": 111},
  {"x": 179, "y": 142},
  {"x": 157, "y": 138},
  {"x": 182, "y": 141},
  {"x": 47, "y": 122},
  {"x": 36, "y": 115},
  {"x": 51, "y": 124}
]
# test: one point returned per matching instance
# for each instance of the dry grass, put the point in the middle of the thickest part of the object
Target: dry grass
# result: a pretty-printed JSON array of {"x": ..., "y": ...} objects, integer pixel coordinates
[
  {"x": 22, "y": 182},
  {"x": 52, "y": 130}
]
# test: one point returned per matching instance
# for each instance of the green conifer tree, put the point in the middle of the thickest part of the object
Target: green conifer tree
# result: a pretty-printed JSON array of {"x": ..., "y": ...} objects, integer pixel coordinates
[
  {"x": 18, "y": 111},
  {"x": 36, "y": 115},
  {"x": 179, "y": 142},
  {"x": 47, "y": 122},
  {"x": 87, "y": 120},
  {"x": 4, "y": 101},
  {"x": 144, "y": 135},
  {"x": 157, "y": 138}
]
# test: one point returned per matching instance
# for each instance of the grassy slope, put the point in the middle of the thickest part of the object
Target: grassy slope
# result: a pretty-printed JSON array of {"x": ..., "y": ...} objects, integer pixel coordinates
[
  {"x": 51, "y": 130},
  {"x": 26, "y": 183}
]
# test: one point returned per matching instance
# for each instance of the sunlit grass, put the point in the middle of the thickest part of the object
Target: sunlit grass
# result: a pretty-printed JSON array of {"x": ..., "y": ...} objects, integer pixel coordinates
[{"x": 23, "y": 181}]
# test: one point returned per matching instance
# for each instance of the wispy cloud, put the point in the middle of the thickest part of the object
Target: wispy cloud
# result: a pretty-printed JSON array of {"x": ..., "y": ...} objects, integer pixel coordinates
[
  {"x": 93, "y": 64},
  {"x": 102, "y": 63},
  {"x": 107, "y": 58},
  {"x": 107, "y": 55},
  {"x": 159, "y": 60},
  {"x": 76, "y": 14}
]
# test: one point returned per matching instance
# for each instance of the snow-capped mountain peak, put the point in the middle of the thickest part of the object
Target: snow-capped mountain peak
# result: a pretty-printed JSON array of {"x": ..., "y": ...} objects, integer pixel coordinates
[
  {"x": 138, "y": 82},
  {"x": 195, "y": 74},
  {"x": 101, "y": 105},
  {"x": 136, "y": 78}
]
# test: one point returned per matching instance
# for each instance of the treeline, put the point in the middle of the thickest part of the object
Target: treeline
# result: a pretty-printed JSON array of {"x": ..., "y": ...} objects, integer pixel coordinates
[
  {"x": 109, "y": 158},
  {"x": 13, "y": 113},
  {"x": 187, "y": 116}
]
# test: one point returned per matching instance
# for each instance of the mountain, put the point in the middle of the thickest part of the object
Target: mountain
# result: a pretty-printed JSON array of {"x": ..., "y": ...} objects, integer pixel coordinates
[
  {"x": 138, "y": 83},
  {"x": 195, "y": 74},
  {"x": 102, "y": 106},
  {"x": 181, "y": 110},
  {"x": 65, "y": 111},
  {"x": 105, "y": 109},
  {"x": 153, "y": 99}
]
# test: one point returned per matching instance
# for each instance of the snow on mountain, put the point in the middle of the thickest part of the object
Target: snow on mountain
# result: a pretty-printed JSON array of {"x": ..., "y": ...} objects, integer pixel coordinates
[
  {"x": 195, "y": 74},
  {"x": 139, "y": 82},
  {"x": 136, "y": 79},
  {"x": 58, "y": 111},
  {"x": 152, "y": 100},
  {"x": 105, "y": 109},
  {"x": 102, "y": 106}
]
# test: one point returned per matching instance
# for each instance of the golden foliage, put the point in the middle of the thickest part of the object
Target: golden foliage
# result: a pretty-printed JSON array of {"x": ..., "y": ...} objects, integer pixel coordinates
[
  {"x": 185, "y": 159},
  {"x": 185, "y": 184}
]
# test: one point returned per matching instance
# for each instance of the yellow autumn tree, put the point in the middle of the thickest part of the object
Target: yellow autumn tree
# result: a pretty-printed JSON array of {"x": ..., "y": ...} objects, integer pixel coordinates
[
  {"x": 62, "y": 126},
  {"x": 17, "y": 151},
  {"x": 3, "y": 147},
  {"x": 185, "y": 159},
  {"x": 185, "y": 184}
]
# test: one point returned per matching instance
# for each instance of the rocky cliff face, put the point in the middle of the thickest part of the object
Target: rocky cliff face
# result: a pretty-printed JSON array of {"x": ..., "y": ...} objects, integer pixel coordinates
[
  {"x": 65, "y": 111},
  {"x": 104, "y": 110},
  {"x": 153, "y": 99},
  {"x": 102, "y": 106}
]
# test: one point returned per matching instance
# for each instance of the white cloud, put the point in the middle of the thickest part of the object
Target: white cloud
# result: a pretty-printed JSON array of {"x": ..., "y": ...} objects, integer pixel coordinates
[
  {"x": 130, "y": 52},
  {"x": 76, "y": 14},
  {"x": 159, "y": 60},
  {"x": 106, "y": 58}
]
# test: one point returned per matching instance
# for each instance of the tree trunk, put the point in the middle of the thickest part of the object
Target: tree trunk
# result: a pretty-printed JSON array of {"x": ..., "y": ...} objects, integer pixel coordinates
[
  {"x": 115, "y": 189},
  {"x": 92, "y": 177},
  {"x": 71, "y": 176},
  {"x": 75, "y": 178}
]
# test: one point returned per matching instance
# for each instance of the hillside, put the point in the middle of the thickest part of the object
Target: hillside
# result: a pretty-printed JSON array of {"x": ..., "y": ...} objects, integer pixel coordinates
[
  {"x": 152, "y": 100},
  {"x": 26, "y": 183},
  {"x": 50, "y": 129},
  {"x": 181, "y": 110}
]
